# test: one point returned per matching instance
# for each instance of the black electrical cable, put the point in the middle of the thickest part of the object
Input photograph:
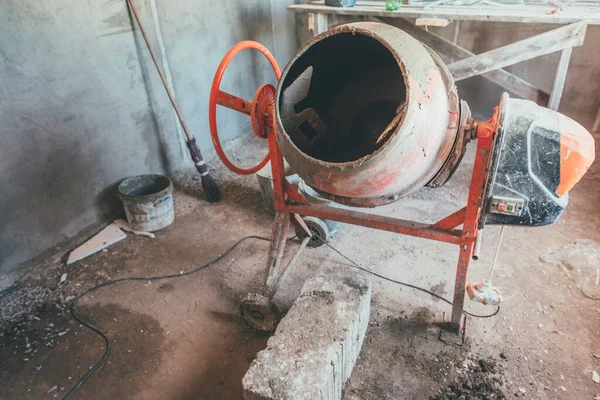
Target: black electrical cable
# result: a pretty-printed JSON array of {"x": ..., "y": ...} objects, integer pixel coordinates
[
  {"x": 200, "y": 268},
  {"x": 355, "y": 265},
  {"x": 151, "y": 278}
]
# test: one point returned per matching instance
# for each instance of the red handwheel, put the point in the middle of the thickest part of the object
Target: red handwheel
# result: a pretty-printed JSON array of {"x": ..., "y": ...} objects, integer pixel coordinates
[{"x": 265, "y": 96}]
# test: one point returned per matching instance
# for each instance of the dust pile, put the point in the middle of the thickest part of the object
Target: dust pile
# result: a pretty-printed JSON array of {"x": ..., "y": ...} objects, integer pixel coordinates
[{"x": 476, "y": 378}]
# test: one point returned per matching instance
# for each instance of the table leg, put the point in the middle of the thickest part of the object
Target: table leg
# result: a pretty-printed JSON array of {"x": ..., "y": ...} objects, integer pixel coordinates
[
  {"x": 317, "y": 23},
  {"x": 559, "y": 78}
]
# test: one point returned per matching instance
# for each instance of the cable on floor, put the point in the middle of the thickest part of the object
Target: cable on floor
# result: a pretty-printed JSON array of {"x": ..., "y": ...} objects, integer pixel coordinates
[
  {"x": 200, "y": 268},
  {"x": 355, "y": 265},
  {"x": 151, "y": 278}
]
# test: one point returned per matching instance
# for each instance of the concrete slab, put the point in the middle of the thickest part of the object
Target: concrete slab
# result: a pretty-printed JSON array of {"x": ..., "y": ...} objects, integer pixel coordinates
[{"x": 316, "y": 345}]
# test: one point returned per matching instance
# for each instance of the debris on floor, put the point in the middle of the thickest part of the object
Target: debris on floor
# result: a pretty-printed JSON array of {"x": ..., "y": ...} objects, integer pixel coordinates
[
  {"x": 580, "y": 261},
  {"x": 103, "y": 239},
  {"x": 121, "y": 223},
  {"x": 108, "y": 236},
  {"x": 476, "y": 379}
]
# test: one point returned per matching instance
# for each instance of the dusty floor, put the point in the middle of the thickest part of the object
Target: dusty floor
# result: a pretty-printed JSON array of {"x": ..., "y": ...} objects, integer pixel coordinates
[{"x": 182, "y": 338}]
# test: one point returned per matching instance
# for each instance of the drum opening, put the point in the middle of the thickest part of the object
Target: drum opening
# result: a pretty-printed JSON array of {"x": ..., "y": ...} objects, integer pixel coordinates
[{"x": 343, "y": 98}]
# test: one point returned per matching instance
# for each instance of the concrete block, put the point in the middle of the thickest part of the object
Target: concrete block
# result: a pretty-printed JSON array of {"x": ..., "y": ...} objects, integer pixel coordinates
[{"x": 315, "y": 346}]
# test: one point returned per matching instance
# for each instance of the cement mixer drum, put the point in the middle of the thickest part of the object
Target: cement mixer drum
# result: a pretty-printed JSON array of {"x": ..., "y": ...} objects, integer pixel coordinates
[{"x": 366, "y": 114}]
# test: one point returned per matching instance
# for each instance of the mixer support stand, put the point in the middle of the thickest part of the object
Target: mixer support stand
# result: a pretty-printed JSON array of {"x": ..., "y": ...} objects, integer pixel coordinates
[{"x": 290, "y": 204}]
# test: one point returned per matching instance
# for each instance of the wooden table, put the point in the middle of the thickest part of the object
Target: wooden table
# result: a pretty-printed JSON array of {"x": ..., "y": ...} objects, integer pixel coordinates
[{"x": 574, "y": 16}]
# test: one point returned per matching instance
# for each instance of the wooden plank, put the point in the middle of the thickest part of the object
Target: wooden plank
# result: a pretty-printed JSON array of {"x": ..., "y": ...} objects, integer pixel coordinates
[
  {"x": 526, "y": 49},
  {"x": 456, "y": 32},
  {"x": 439, "y": 22},
  {"x": 528, "y": 13},
  {"x": 106, "y": 237},
  {"x": 559, "y": 78},
  {"x": 450, "y": 52},
  {"x": 317, "y": 23}
]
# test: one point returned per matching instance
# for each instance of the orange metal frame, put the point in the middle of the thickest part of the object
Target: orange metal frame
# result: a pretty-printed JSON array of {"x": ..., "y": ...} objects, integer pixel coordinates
[{"x": 290, "y": 204}]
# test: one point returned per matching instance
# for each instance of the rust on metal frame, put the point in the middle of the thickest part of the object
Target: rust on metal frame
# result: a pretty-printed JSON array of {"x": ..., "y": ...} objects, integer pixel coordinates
[
  {"x": 263, "y": 99},
  {"x": 451, "y": 221},
  {"x": 281, "y": 226},
  {"x": 277, "y": 167},
  {"x": 294, "y": 195},
  {"x": 485, "y": 143},
  {"x": 376, "y": 222}
]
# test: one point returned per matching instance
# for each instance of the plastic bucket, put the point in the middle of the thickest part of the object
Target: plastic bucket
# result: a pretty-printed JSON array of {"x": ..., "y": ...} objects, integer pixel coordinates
[{"x": 148, "y": 202}]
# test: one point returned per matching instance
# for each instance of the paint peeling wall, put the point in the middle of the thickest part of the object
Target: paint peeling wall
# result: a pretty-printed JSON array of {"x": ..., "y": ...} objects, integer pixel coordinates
[{"x": 82, "y": 107}]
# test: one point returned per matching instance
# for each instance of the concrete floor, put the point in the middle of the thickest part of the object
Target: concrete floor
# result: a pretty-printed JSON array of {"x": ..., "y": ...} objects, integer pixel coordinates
[{"x": 183, "y": 338}]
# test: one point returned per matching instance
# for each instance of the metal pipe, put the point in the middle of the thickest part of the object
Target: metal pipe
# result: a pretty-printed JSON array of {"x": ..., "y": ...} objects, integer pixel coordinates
[
  {"x": 478, "y": 240},
  {"x": 289, "y": 266},
  {"x": 497, "y": 252}
]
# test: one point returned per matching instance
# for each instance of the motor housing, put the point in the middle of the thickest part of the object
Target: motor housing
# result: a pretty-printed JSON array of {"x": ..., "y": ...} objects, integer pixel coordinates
[{"x": 539, "y": 156}]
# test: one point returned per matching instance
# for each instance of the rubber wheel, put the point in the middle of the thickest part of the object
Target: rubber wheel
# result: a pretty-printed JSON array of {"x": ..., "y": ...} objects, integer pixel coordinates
[
  {"x": 320, "y": 231},
  {"x": 259, "y": 312}
]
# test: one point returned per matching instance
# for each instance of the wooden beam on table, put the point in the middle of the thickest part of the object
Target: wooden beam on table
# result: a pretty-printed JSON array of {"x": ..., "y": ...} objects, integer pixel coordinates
[
  {"x": 438, "y": 22},
  {"x": 450, "y": 52},
  {"x": 540, "y": 13},
  {"x": 526, "y": 49}
]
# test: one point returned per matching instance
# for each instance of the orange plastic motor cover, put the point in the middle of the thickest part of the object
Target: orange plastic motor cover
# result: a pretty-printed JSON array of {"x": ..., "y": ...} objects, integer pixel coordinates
[{"x": 577, "y": 153}]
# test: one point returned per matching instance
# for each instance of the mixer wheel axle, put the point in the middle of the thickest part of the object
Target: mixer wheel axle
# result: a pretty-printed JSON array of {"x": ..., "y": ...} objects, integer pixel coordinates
[
  {"x": 259, "y": 312},
  {"x": 319, "y": 229}
]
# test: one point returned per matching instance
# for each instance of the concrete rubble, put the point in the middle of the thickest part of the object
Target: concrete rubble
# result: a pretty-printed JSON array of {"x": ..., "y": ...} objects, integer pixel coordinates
[{"x": 315, "y": 346}]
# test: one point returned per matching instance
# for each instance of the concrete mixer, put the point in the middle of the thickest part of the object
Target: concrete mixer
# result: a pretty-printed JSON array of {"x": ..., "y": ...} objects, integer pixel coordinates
[{"x": 365, "y": 114}]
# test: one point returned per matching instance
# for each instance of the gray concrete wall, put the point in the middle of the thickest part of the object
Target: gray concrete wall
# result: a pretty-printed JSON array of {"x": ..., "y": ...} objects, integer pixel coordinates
[
  {"x": 581, "y": 96},
  {"x": 81, "y": 106}
]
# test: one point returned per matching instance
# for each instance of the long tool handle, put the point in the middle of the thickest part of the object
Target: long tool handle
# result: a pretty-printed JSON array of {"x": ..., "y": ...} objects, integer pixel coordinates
[
  {"x": 160, "y": 71},
  {"x": 213, "y": 194}
]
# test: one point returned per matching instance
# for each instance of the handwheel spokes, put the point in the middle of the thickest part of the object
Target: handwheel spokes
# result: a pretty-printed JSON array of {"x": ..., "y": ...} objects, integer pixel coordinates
[
  {"x": 233, "y": 102},
  {"x": 256, "y": 109}
]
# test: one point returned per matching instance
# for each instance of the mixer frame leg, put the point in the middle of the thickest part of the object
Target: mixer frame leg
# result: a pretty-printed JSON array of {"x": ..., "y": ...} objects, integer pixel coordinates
[
  {"x": 469, "y": 234},
  {"x": 281, "y": 224},
  {"x": 281, "y": 227}
]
